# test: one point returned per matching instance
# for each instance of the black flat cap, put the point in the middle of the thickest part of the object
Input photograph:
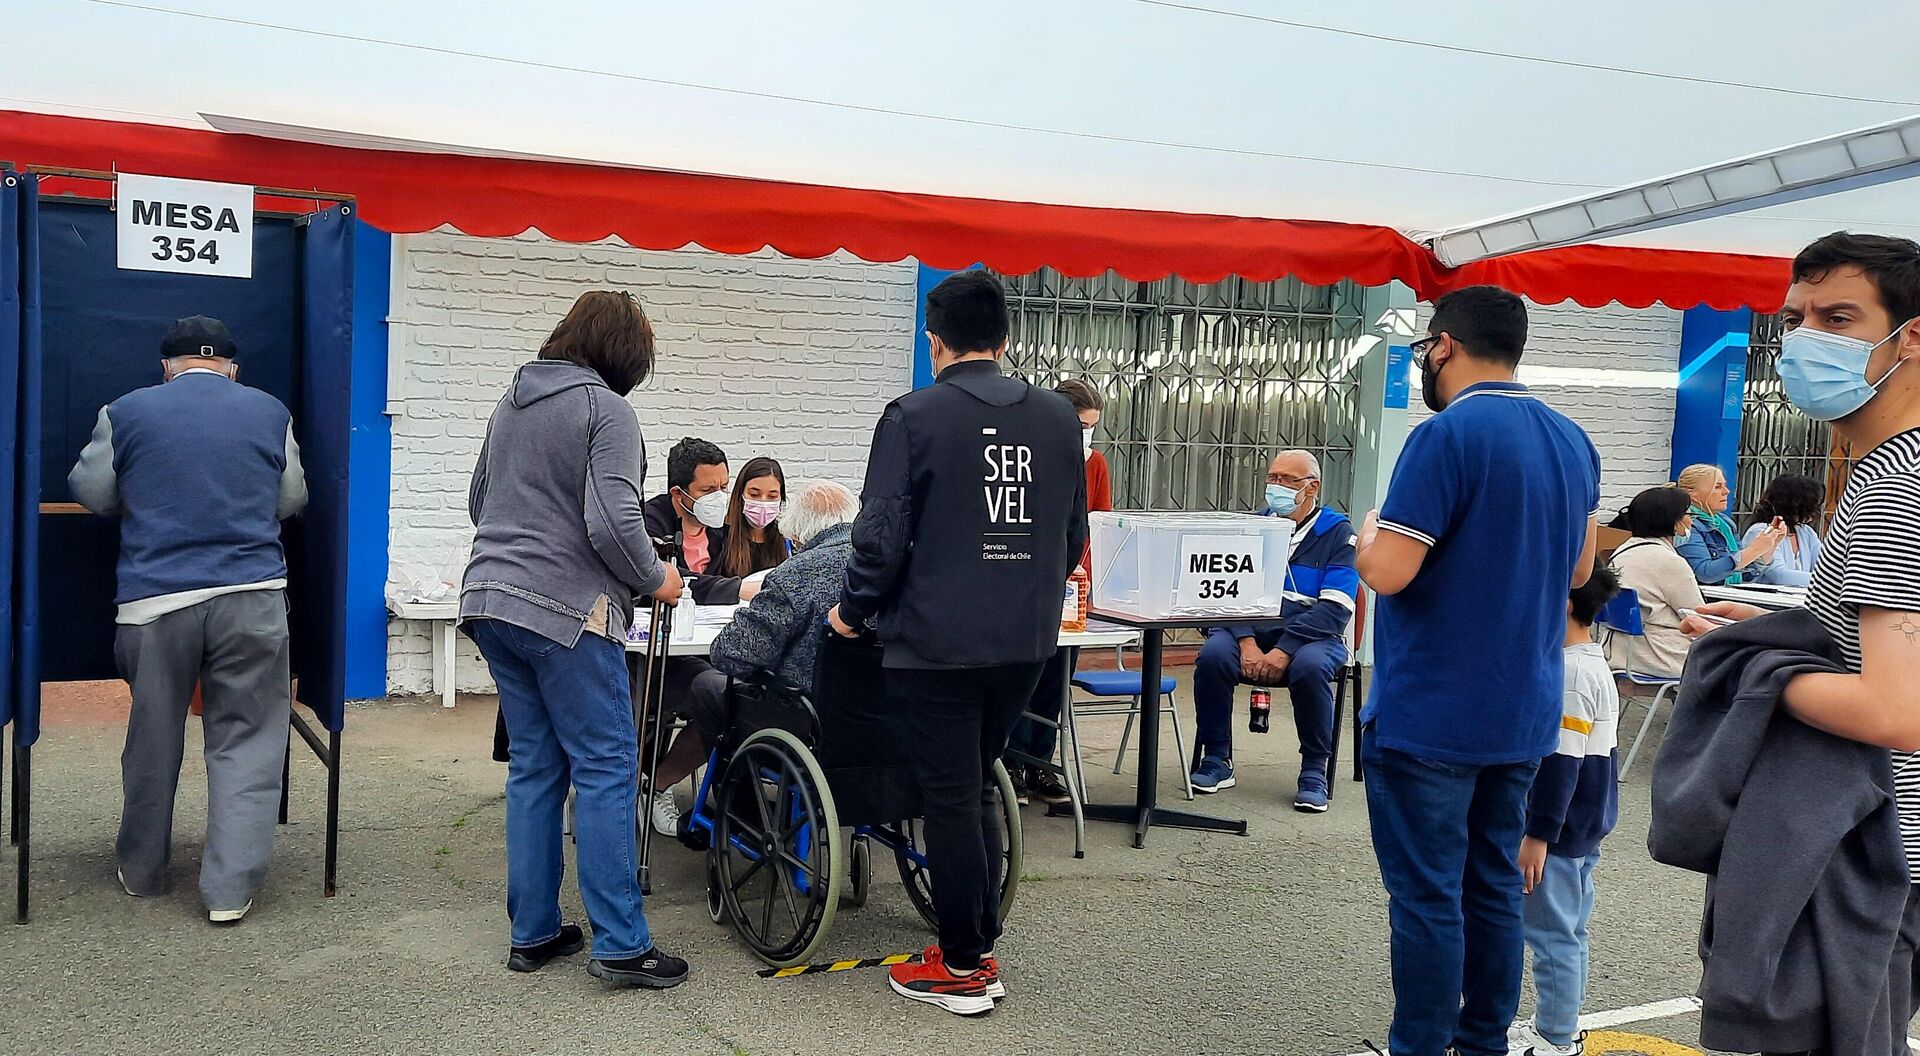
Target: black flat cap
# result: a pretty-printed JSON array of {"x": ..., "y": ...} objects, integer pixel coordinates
[{"x": 197, "y": 335}]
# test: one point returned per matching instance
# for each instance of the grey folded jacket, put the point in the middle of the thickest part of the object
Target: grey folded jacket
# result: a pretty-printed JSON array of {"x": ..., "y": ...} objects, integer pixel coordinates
[{"x": 1799, "y": 836}]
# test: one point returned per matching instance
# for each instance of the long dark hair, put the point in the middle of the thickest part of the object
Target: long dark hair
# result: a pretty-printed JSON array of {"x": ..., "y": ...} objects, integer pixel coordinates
[
  {"x": 606, "y": 332},
  {"x": 1793, "y": 498},
  {"x": 742, "y": 556}
]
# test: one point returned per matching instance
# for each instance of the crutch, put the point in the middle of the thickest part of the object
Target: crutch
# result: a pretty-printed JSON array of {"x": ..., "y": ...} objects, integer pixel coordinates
[{"x": 650, "y": 704}]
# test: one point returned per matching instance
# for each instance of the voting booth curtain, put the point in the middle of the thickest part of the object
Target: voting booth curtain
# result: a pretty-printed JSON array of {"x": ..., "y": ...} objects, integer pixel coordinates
[
  {"x": 77, "y": 332},
  {"x": 19, "y": 455},
  {"x": 292, "y": 323}
]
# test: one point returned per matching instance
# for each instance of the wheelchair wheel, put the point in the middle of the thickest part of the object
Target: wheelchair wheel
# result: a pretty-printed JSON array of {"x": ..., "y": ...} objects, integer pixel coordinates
[
  {"x": 860, "y": 875},
  {"x": 716, "y": 906},
  {"x": 917, "y": 877},
  {"x": 777, "y": 852}
]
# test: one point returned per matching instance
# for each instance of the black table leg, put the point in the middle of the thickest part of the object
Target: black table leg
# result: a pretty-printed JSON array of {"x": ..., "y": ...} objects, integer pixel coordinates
[{"x": 1145, "y": 812}]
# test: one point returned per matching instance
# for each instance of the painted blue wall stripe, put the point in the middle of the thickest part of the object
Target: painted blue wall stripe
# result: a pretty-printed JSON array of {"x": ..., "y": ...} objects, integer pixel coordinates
[
  {"x": 1706, "y": 406},
  {"x": 369, "y": 469}
]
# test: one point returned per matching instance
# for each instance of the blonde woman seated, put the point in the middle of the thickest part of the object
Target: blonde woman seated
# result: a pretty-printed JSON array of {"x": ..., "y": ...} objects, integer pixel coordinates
[{"x": 1649, "y": 566}]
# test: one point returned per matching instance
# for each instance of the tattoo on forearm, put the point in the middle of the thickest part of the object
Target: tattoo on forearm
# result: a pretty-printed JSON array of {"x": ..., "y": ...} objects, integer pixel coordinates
[{"x": 1908, "y": 627}]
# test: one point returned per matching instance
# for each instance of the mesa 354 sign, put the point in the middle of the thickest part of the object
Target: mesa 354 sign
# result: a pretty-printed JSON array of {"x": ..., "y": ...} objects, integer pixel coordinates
[{"x": 184, "y": 226}]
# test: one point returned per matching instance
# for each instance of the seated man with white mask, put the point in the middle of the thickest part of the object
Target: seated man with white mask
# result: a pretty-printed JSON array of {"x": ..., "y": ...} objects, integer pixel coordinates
[{"x": 1301, "y": 654}]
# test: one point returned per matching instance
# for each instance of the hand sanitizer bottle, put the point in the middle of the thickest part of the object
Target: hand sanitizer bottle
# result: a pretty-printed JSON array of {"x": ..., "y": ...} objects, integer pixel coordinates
[{"x": 683, "y": 615}]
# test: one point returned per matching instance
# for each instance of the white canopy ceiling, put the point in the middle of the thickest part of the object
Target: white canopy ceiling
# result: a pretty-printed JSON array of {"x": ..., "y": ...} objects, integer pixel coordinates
[{"x": 1418, "y": 116}]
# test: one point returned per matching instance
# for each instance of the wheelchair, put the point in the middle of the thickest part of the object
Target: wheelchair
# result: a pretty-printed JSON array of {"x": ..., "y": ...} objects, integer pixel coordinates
[{"x": 797, "y": 791}]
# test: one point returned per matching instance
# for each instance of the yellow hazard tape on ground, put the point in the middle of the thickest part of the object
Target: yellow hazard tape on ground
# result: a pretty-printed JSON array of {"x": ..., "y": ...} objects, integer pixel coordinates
[
  {"x": 1620, "y": 1043},
  {"x": 837, "y": 966}
]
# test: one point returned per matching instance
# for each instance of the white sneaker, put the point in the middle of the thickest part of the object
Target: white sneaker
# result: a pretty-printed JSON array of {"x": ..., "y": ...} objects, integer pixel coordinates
[
  {"x": 665, "y": 813},
  {"x": 228, "y": 916},
  {"x": 1524, "y": 1040},
  {"x": 124, "y": 886}
]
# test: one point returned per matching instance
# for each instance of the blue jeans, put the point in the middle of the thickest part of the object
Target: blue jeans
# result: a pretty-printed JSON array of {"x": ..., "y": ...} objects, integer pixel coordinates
[
  {"x": 1216, "y": 674},
  {"x": 568, "y": 715},
  {"x": 1448, "y": 840},
  {"x": 1557, "y": 915}
]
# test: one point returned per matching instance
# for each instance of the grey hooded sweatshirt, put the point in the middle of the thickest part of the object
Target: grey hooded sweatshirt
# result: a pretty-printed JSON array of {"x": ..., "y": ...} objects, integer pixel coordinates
[{"x": 560, "y": 538}]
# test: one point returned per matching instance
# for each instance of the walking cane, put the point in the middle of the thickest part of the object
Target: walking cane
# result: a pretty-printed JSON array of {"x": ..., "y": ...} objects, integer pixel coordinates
[{"x": 651, "y": 704}]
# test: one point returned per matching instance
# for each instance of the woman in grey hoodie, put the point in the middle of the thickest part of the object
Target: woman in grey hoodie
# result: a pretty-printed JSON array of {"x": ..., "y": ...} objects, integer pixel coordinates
[{"x": 560, "y": 552}]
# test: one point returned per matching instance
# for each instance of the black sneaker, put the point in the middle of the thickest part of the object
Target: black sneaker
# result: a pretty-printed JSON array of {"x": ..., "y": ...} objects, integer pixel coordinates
[
  {"x": 1047, "y": 786},
  {"x": 1020, "y": 791},
  {"x": 654, "y": 969},
  {"x": 533, "y": 958}
]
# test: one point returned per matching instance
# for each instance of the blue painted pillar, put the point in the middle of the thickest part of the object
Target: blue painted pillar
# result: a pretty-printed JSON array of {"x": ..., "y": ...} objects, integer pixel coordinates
[
  {"x": 369, "y": 468},
  {"x": 1713, "y": 379}
]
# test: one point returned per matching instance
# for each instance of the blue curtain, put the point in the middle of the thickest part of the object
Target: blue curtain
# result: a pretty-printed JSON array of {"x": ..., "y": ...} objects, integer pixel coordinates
[
  {"x": 323, "y": 424},
  {"x": 102, "y": 327},
  {"x": 20, "y": 454}
]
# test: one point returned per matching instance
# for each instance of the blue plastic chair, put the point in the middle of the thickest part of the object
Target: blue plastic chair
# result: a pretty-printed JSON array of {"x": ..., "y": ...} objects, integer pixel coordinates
[
  {"x": 1119, "y": 694},
  {"x": 1622, "y": 617}
]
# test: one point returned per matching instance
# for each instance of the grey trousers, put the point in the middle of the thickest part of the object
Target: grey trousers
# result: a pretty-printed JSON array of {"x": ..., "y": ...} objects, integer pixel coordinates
[{"x": 235, "y": 647}]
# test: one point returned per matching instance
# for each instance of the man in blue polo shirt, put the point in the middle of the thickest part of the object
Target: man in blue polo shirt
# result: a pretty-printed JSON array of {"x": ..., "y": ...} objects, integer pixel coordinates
[{"x": 1489, "y": 520}]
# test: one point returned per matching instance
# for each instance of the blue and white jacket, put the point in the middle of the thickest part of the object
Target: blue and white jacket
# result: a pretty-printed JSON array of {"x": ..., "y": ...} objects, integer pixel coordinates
[
  {"x": 1321, "y": 568},
  {"x": 1575, "y": 800}
]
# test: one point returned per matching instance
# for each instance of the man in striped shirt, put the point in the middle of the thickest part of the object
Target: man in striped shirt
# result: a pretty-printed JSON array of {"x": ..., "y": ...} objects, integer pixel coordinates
[{"x": 1851, "y": 356}]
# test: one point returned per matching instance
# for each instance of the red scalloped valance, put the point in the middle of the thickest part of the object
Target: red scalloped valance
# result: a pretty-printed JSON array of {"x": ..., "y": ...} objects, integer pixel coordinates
[{"x": 405, "y": 192}]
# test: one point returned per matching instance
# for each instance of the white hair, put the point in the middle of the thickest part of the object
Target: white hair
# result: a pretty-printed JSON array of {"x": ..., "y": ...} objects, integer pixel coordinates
[
  {"x": 1313, "y": 463},
  {"x": 816, "y": 507}
]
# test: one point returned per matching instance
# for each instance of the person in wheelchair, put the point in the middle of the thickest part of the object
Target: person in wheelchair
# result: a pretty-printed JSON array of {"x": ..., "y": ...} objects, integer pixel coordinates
[{"x": 778, "y": 631}]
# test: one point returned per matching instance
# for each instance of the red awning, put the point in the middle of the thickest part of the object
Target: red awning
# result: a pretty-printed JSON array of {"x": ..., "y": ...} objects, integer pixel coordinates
[{"x": 405, "y": 192}]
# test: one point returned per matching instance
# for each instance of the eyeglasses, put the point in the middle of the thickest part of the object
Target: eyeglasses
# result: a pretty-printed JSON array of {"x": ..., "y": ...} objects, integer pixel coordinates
[
  {"x": 1289, "y": 480},
  {"x": 1423, "y": 346}
]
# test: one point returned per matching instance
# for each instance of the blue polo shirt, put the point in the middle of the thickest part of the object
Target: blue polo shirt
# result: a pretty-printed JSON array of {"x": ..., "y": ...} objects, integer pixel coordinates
[{"x": 1468, "y": 660}]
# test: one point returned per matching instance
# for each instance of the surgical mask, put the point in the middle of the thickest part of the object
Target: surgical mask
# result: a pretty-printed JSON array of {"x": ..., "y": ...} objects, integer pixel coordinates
[
  {"x": 1282, "y": 500},
  {"x": 760, "y": 514},
  {"x": 1825, "y": 374},
  {"x": 1086, "y": 442},
  {"x": 710, "y": 509}
]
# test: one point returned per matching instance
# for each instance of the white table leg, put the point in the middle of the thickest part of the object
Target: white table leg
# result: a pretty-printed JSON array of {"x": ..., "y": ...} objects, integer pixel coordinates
[{"x": 444, "y": 628}]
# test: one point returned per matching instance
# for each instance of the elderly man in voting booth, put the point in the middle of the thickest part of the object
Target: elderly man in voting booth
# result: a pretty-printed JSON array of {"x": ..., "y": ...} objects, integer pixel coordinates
[
  {"x": 1302, "y": 654},
  {"x": 200, "y": 470}
]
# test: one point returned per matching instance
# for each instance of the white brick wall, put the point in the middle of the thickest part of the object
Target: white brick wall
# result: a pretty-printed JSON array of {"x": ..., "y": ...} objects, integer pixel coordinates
[
  {"x": 1630, "y": 418},
  {"x": 762, "y": 354}
]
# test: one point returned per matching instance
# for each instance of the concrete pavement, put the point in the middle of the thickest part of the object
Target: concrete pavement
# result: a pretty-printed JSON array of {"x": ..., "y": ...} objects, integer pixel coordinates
[{"x": 1202, "y": 943}]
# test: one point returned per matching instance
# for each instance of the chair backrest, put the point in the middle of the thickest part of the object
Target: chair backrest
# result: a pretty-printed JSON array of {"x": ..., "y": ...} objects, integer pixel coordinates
[
  {"x": 1622, "y": 614},
  {"x": 858, "y": 725}
]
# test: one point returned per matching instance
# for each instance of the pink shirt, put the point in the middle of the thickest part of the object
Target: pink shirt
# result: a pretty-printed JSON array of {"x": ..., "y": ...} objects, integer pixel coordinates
[{"x": 696, "y": 551}]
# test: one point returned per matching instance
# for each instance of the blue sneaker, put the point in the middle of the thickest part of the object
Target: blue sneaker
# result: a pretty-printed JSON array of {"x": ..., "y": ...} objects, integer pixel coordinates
[
  {"x": 1215, "y": 774},
  {"x": 1314, "y": 796}
]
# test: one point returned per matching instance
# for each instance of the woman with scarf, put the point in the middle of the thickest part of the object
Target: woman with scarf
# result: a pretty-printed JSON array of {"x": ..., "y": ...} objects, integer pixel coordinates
[{"x": 1713, "y": 547}]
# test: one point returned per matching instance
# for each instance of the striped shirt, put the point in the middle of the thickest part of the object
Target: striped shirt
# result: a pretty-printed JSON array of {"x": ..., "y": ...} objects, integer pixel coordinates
[{"x": 1872, "y": 557}]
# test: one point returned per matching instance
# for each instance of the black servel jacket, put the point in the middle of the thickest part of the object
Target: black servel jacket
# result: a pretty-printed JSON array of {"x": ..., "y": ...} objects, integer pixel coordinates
[{"x": 973, "y": 514}]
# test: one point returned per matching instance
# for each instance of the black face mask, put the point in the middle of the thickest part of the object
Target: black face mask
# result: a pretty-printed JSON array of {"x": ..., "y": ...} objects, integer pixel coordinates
[{"x": 1430, "y": 386}]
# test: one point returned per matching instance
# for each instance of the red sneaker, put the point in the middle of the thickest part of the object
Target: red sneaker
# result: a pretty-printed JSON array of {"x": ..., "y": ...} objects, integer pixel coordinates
[
  {"x": 930, "y": 981},
  {"x": 995, "y": 988}
]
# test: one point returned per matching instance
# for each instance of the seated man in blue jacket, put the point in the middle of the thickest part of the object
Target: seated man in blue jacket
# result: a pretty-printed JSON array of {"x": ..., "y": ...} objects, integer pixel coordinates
[{"x": 1302, "y": 654}]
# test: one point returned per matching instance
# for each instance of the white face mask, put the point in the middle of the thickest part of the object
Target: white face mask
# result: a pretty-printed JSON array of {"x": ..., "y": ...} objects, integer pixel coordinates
[
  {"x": 711, "y": 509},
  {"x": 1086, "y": 441}
]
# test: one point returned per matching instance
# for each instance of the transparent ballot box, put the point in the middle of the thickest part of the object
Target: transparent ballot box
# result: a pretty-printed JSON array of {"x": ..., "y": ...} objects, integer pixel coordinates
[{"x": 1183, "y": 566}]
